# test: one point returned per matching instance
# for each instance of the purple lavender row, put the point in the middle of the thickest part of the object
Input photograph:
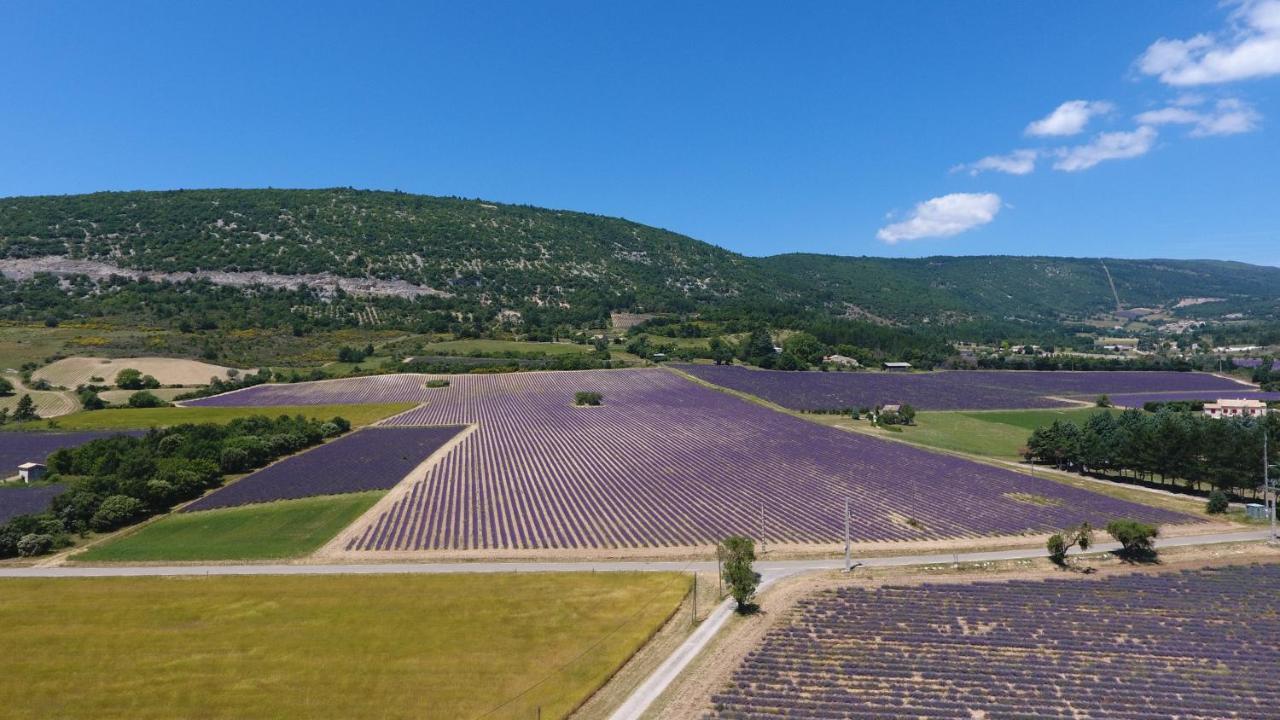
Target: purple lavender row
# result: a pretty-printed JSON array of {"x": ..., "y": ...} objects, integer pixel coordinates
[
  {"x": 947, "y": 390},
  {"x": 1136, "y": 646},
  {"x": 375, "y": 458},
  {"x": 20, "y": 447},
  {"x": 26, "y": 500},
  {"x": 667, "y": 462}
]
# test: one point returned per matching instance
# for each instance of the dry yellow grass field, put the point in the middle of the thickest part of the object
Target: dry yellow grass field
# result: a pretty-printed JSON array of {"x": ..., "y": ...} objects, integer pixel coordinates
[
  {"x": 323, "y": 646},
  {"x": 73, "y": 371}
]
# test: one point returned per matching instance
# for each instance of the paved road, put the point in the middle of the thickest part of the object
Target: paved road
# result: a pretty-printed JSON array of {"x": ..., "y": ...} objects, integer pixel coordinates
[{"x": 768, "y": 568}]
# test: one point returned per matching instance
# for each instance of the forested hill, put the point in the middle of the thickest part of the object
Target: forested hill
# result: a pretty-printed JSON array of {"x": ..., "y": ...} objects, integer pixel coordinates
[
  {"x": 520, "y": 257},
  {"x": 948, "y": 288}
]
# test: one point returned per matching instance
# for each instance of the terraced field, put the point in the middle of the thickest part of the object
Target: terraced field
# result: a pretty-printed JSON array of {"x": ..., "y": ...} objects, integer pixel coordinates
[
  {"x": 666, "y": 462},
  {"x": 949, "y": 390},
  {"x": 1198, "y": 645}
]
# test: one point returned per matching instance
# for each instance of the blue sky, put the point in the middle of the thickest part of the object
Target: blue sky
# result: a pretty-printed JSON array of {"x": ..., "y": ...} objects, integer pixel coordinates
[{"x": 849, "y": 128}]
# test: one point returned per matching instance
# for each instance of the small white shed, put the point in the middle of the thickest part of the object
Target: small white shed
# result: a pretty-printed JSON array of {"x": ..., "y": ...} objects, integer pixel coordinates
[{"x": 30, "y": 471}]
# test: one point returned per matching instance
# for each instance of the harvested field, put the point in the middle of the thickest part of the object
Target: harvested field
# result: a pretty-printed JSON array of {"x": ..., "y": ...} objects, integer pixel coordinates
[
  {"x": 73, "y": 371},
  {"x": 1127, "y": 646},
  {"x": 18, "y": 500},
  {"x": 375, "y": 458},
  {"x": 121, "y": 397},
  {"x": 49, "y": 403},
  {"x": 949, "y": 389},
  {"x": 371, "y": 389},
  {"x": 667, "y": 462}
]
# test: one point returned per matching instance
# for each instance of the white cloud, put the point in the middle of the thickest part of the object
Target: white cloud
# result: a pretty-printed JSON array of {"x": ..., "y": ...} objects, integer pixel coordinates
[
  {"x": 943, "y": 217},
  {"x": 1248, "y": 48},
  {"x": 1018, "y": 162},
  {"x": 1228, "y": 117},
  {"x": 1069, "y": 118},
  {"x": 1107, "y": 146}
]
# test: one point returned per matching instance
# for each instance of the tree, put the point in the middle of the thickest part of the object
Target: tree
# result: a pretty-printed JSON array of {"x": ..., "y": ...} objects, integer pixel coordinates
[
  {"x": 738, "y": 554},
  {"x": 757, "y": 346},
  {"x": 116, "y": 511},
  {"x": 1060, "y": 543},
  {"x": 129, "y": 379},
  {"x": 144, "y": 399},
  {"x": 587, "y": 398},
  {"x": 907, "y": 415},
  {"x": 805, "y": 347},
  {"x": 90, "y": 400},
  {"x": 721, "y": 351},
  {"x": 1218, "y": 503},
  {"x": 1102, "y": 401},
  {"x": 6, "y": 387},
  {"x": 25, "y": 410},
  {"x": 1137, "y": 539}
]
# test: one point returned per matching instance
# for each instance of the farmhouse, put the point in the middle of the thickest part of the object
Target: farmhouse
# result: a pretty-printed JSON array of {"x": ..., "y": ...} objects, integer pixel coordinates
[
  {"x": 30, "y": 471},
  {"x": 840, "y": 360},
  {"x": 1242, "y": 407},
  {"x": 899, "y": 366}
]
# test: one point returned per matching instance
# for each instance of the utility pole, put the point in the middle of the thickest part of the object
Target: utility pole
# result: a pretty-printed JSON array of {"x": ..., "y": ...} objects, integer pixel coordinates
[
  {"x": 694, "y": 619},
  {"x": 847, "y": 559},
  {"x": 720, "y": 571},
  {"x": 1270, "y": 488}
]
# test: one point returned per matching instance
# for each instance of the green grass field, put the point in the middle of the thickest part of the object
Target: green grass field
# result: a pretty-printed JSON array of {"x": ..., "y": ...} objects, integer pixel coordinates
[
  {"x": 323, "y": 646},
  {"x": 464, "y": 347},
  {"x": 998, "y": 434},
  {"x": 125, "y": 418},
  {"x": 285, "y": 529}
]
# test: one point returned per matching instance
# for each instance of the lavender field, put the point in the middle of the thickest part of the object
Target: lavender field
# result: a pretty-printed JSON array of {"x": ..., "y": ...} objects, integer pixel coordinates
[
  {"x": 1134, "y": 646},
  {"x": 19, "y": 447},
  {"x": 667, "y": 462},
  {"x": 26, "y": 499},
  {"x": 947, "y": 389},
  {"x": 374, "y": 458},
  {"x": 1137, "y": 400},
  {"x": 1253, "y": 363}
]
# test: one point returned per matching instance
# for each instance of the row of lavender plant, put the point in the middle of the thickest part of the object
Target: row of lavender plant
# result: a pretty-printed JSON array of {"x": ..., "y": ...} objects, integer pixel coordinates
[
  {"x": 948, "y": 390},
  {"x": 1128, "y": 647},
  {"x": 667, "y": 462},
  {"x": 374, "y": 458}
]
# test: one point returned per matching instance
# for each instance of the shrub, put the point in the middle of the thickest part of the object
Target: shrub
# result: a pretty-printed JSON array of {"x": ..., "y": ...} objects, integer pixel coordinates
[
  {"x": 90, "y": 400},
  {"x": 129, "y": 379},
  {"x": 1137, "y": 539},
  {"x": 1217, "y": 504},
  {"x": 144, "y": 399},
  {"x": 117, "y": 511},
  {"x": 1102, "y": 401},
  {"x": 437, "y": 383},
  {"x": 587, "y": 398},
  {"x": 33, "y": 544}
]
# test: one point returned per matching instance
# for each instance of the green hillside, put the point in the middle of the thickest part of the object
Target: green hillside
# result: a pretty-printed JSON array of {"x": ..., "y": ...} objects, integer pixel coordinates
[{"x": 477, "y": 258}]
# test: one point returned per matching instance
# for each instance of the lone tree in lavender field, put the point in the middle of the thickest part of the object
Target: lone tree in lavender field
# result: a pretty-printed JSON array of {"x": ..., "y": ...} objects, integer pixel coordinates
[
  {"x": 587, "y": 398},
  {"x": 739, "y": 553}
]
